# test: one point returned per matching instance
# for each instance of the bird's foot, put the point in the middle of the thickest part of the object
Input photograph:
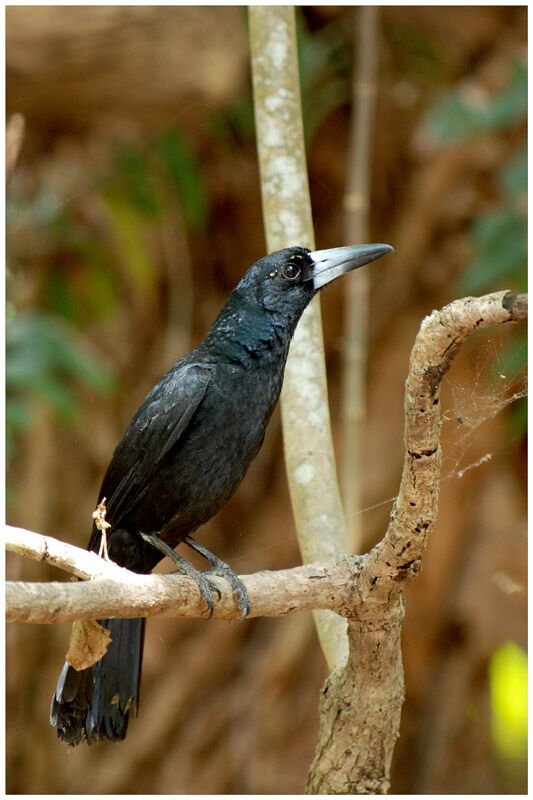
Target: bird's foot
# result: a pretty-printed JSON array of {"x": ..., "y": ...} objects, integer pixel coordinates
[
  {"x": 206, "y": 586},
  {"x": 219, "y": 567},
  {"x": 239, "y": 589}
]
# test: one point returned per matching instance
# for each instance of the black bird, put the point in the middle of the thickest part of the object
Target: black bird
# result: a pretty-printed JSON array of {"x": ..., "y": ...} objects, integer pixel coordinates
[{"x": 184, "y": 454}]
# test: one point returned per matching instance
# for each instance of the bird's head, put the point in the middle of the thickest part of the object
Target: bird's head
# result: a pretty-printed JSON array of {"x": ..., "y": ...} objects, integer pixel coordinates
[
  {"x": 274, "y": 292},
  {"x": 285, "y": 281}
]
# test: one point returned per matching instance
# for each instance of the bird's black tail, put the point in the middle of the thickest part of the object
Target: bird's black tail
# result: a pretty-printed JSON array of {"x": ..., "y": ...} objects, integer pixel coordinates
[{"x": 96, "y": 703}]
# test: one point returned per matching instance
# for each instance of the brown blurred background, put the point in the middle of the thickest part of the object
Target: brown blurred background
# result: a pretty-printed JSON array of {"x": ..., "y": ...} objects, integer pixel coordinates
[{"x": 133, "y": 210}]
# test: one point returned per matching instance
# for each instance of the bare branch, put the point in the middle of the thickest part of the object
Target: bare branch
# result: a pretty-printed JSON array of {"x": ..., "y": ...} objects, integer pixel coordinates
[
  {"x": 117, "y": 592},
  {"x": 440, "y": 337},
  {"x": 81, "y": 563},
  {"x": 361, "y": 704}
]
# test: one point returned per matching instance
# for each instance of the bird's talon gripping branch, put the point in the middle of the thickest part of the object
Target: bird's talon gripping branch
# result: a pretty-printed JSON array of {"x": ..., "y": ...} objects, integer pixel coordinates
[
  {"x": 224, "y": 570},
  {"x": 205, "y": 586},
  {"x": 212, "y": 585},
  {"x": 184, "y": 454},
  {"x": 239, "y": 589}
]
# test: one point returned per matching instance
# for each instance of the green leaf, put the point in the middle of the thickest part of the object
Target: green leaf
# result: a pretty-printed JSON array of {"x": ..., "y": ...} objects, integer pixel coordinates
[
  {"x": 43, "y": 353},
  {"x": 236, "y": 120},
  {"x": 513, "y": 177},
  {"x": 324, "y": 69},
  {"x": 131, "y": 236},
  {"x": 513, "y": 360},
  {"x": 518, "y": 422},
  {"x": 499, "y": 241},
  {"x": 18, "y": 414}
]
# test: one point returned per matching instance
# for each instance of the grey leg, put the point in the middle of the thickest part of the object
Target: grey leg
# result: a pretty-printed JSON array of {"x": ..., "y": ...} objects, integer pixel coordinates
[
  {"x": 220, "y": 567},
  {"x": 184, "y": 568}
]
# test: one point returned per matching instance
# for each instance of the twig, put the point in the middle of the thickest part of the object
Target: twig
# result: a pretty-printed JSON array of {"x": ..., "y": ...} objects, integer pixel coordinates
[{"x": 81, "y": 563}]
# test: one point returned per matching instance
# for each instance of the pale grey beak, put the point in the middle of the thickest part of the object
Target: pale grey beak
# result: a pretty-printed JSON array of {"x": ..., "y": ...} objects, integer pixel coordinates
[{"x": 330, "y": 264}]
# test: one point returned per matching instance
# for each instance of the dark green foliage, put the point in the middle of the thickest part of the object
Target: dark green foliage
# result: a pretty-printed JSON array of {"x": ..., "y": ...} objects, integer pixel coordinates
[
  {"x": 136, "y": 179},
  {"x": 170, "y": 158},
  {"x": 45, "y": 360},
  {"x": 184, "y": 170},
  {"x": 233, "y": 122},
  {"x": 324, "y": 59},
  {"x": 83, "y": 264},
  {"x": 459, "y": 115},
  {"x": 419, "y": 57},
  {"x": 498, "y": 235}
]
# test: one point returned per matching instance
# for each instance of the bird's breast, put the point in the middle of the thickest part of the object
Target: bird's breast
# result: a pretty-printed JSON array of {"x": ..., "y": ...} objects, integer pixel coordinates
[{"x": 209, "y": 462}]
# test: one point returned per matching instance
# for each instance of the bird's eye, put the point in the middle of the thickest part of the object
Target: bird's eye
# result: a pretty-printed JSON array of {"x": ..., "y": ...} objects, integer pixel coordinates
[{"x": 291, "y": 271}]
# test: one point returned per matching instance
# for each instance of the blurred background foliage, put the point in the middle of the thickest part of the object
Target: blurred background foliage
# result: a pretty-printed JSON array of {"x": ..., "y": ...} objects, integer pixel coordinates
[
  {"x": 133, "y": 210},
  {"x": 43, "y": 361},
  {"x": 498, "y": 233}
]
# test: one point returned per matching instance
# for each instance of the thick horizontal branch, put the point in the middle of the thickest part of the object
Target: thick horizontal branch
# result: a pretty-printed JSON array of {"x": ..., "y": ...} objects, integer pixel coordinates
[
  {"x": 271, "y": 594},
  {"x": 116, "y": 592}
]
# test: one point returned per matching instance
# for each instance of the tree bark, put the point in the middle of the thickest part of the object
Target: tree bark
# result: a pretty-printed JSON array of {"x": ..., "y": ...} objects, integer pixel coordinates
[
  {"x": 360, "y": 707},
  {"x": 358, "y": 730}
]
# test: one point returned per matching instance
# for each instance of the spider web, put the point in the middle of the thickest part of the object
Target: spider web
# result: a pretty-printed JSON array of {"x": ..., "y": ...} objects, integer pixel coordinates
[
  {"x": 486, "y": 393},
  {"x": 477, "y": 402}
]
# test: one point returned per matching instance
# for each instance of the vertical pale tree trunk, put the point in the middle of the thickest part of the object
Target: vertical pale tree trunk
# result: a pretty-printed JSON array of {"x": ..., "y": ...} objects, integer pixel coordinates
[{"x": 308, "y": 446}]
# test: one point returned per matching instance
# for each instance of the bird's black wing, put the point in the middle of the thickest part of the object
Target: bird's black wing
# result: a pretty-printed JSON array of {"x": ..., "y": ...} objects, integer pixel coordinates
[{"x": 154, "y": 430}]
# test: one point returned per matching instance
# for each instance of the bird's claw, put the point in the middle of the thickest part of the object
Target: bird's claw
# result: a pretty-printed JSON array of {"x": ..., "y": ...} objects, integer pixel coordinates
[
  {"x": 219, "y": 567},
  {"x": 239, "y": 589},
  {"x": 205, "y": 586}
]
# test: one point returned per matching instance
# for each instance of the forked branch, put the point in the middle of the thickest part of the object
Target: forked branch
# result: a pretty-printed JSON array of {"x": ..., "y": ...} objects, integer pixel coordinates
[{"x": 361, "y": 703}]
